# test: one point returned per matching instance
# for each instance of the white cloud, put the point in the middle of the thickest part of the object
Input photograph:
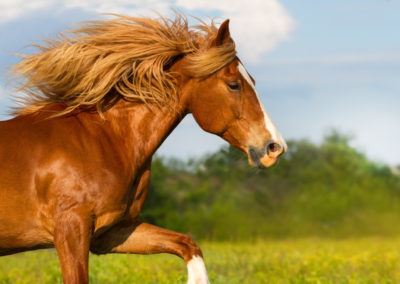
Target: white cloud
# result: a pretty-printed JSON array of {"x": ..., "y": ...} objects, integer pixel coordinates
[
  {"x": 12, "y": 10},
  {"x": 5, "y": 91},
  {"x": 257, "y": 26},
  {"x": 341, "y": 59},
  {"x": 2, "y": 92},
  {"x": 127, "y": 7}
]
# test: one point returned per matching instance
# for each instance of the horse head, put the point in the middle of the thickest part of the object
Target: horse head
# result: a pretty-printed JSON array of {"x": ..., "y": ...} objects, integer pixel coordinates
[{"x": 226, "y": 103}]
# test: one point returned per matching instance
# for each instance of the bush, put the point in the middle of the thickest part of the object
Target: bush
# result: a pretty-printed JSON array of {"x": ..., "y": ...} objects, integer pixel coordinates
[{"x": 328, "y": 190}]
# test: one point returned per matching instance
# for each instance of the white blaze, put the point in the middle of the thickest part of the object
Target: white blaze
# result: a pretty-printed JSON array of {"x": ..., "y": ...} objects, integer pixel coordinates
[
  {"x": 276, "y": 136},
  {"x": 197, "y": 273}
]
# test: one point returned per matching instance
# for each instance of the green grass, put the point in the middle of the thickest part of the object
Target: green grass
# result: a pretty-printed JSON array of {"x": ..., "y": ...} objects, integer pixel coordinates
[{"x": 365, "y": 260}]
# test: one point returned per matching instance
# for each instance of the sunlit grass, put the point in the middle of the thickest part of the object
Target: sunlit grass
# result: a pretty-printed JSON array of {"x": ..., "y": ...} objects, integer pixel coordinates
[{"x": 365, "y": 260}]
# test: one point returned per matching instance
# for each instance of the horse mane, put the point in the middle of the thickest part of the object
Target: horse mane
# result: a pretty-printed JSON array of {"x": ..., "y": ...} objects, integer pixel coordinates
[{"x": 124, "y": 57}]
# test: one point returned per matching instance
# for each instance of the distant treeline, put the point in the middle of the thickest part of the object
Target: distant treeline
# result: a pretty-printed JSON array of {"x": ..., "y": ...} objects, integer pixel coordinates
[{"x": 326, "y": 190}]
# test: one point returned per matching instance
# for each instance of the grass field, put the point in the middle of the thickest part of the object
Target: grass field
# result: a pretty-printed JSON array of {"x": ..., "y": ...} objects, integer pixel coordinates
[{"x": 365, "y": 260}]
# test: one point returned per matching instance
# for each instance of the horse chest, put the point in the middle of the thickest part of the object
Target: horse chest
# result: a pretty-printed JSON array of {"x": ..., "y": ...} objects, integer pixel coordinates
[{"x": 125, "y": 207}]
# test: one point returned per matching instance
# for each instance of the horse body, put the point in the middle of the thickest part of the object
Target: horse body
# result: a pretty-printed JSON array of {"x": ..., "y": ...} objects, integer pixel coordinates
[
  {"x": 78, "y": 181},
  {"x": 93, "y": 161}
]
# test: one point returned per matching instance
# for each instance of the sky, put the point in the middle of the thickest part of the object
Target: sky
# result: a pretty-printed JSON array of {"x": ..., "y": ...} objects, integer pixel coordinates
[{"x": 319, "y": 65}]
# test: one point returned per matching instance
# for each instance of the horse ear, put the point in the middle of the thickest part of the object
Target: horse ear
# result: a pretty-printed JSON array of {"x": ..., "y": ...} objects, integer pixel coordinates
[{"x": 223, "y": 35}]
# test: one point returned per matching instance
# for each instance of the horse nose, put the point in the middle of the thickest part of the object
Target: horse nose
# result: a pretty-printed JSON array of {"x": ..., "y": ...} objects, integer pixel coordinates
[{"x": 275, "y": 149}]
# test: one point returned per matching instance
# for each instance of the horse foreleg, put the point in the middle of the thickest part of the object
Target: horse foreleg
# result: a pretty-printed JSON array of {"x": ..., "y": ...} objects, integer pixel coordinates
[
  {"x": 71, "y": 240},
  {"x": 143, "y": 238}
]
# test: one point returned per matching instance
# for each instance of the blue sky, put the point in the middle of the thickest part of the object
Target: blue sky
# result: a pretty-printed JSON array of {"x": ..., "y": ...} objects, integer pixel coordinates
[{"x": 318, "y": 64}]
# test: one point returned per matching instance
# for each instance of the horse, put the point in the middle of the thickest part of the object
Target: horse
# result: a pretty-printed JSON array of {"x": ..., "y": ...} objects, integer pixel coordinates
[{"x": 99, "y": 100}]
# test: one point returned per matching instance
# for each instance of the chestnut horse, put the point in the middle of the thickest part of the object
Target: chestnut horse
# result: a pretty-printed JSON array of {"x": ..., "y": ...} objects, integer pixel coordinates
[{"x": 76, "y": 158}]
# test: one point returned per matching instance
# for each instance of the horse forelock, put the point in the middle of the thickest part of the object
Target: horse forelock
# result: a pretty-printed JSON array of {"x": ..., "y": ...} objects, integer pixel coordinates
[{"x": 124, "y": 56}]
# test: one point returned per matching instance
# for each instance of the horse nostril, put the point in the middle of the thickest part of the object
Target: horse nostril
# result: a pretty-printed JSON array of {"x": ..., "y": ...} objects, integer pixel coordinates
[{"x": 273, "y": 147}]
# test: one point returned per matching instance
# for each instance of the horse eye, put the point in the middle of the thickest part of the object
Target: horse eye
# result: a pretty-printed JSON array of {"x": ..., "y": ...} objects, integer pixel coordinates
[{"x": 234, "y": 85}]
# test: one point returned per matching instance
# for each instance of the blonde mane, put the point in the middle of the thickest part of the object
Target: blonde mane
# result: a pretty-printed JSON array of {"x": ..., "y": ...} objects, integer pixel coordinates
[{"x": 123, "y": 57}]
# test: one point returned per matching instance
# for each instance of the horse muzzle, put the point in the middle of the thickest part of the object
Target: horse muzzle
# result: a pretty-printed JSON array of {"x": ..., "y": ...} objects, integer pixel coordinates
[{"x": 267, "y": 155}]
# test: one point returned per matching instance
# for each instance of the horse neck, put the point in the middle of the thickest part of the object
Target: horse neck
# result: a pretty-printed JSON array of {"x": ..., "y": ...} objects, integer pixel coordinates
[{"x": 142, "y": 128}]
